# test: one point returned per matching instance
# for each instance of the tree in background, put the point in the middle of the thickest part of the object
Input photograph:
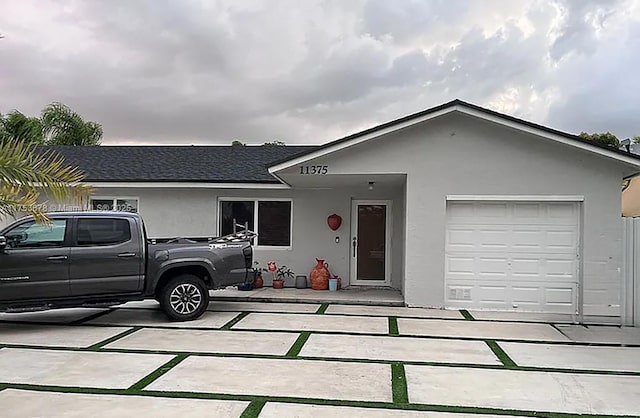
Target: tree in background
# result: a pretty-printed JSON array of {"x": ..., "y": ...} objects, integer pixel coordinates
[
  {"x": 28, "y": 177},
  {"x": 635, "y": 139},
  {"x": 236, "y": 143},
  {"x": 62, "y": 126},
  {"x": 58, "y": 125},
  {"x": 16, "y": 125},
  {"x": 274, "y": 143},
  {"x": 605, "y": 138}
]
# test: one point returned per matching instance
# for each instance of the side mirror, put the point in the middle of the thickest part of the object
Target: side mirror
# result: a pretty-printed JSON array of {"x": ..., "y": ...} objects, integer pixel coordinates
[{"x": 3, "y": 243}]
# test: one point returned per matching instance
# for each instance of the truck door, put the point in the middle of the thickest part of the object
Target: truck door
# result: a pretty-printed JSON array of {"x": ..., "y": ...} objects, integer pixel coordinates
[
  {"x": 35, "y": 261},
  {"x": 106, "y": 256}
]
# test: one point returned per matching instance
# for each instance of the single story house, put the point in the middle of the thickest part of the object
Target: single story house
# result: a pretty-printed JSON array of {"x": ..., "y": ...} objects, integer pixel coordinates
[{"x": 457, "y": 206}]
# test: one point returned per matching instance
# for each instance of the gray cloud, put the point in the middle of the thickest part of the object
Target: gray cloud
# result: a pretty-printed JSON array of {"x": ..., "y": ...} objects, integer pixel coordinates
[{"x": 307, "y": 72}]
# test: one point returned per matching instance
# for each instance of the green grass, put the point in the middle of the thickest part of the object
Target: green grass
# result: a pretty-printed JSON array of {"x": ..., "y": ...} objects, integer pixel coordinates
[
  {"x": 467, "y": 315},
  {"x": 399, "y": 384},
  {"x": 322, "y": 309},
  {"x": 102, "y": 343},
  {"x": 153, "y": 376},
  {"x": 258, "y": 400},
  {"x": 499, "y": 352},
  {"x": 235, "y": 320},
  {"x": 254, "y": 409},
  {"x": 297, "y": 346},
  {"x": 393, "y": 326}
]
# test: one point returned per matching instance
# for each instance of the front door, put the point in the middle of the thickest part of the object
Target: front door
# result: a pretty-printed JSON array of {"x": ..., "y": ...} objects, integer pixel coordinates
[{"x": 371, "y": 242}]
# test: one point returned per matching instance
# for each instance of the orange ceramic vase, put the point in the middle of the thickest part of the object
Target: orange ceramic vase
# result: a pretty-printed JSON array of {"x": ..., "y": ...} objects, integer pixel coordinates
[{"x": 319, "y": 276}]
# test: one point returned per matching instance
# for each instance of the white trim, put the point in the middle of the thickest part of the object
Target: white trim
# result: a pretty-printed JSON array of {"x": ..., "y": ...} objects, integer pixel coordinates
[
  {"x": 114, "y": 199},
  {"x": 353, "y": 270},
  {"x": 191, "y": 185},
  {"x": 462, "y": 109},
  {"x": 516, "y": 198},
  {"x": 255, "y": 201},
  {"x": 540, "y": 132},
  {"x": 358, "y": 140}
]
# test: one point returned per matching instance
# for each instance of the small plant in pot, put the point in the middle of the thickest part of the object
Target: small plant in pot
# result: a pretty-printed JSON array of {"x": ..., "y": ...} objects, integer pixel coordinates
[
  {"x": 281, "y": 274},
  {"x": 258, "y": 282}
]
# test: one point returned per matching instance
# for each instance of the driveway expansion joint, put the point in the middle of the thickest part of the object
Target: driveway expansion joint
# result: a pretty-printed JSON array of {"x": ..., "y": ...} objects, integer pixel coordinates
[
  {"x": 253, "y": 409},
  {"x": 501, "y": 354},
  {"x": 322, "y": 309},
  {"x": 298, "y": 344},
  {"x": 156, "y": 374},
  {"x": 234, "y": 321},
  {"x": 393, "y": 326}
]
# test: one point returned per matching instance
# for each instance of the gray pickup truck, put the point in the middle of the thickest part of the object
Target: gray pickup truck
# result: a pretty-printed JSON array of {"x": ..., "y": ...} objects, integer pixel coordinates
[{"x": 99, "y": 259}]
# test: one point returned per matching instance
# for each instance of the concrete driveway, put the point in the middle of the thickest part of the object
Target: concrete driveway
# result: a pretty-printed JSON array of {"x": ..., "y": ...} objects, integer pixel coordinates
[{"x": 246, "y": 359}]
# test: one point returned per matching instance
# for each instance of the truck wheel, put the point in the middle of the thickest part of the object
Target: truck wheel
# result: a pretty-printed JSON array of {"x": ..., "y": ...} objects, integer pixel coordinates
[{"x": 184, "y": 298}]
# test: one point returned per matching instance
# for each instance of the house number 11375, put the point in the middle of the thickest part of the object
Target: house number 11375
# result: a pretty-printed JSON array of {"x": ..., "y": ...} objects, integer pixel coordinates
[{"x": 314, "y": 169}]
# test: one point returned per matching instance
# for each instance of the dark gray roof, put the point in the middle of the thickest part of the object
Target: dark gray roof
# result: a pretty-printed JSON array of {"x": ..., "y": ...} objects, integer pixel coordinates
[{"x": 210, "y": 164}]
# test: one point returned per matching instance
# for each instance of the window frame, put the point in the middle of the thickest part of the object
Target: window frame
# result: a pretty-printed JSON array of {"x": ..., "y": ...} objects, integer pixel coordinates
[
  {"x": 114, "y": 200},
  {"x": 255, "y": 201}
]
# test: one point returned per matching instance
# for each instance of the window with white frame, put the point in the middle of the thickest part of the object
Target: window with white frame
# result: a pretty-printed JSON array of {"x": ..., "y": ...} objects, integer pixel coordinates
[
  {"x": 270, "y": 219},
  {"x": 119, "y": 204}
]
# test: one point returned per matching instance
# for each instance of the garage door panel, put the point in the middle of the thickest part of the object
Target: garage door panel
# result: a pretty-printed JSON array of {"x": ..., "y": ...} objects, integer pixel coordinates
[{"x": 513, "y": 256}]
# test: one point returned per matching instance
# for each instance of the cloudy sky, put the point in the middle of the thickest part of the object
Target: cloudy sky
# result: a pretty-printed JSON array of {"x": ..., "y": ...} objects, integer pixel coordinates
[{"x": 208, "y": 72}]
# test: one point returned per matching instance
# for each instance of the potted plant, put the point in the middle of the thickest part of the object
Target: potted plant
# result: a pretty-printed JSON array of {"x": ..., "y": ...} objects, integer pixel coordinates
[
  {"x": 258, "y": 282},
  {"x": 282, "y": 273}
]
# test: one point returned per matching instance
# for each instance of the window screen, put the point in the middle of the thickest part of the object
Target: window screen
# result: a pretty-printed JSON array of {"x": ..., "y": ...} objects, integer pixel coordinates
[
  {"x": 238, "y": 212},
  {"x": 274, "y": 223}
]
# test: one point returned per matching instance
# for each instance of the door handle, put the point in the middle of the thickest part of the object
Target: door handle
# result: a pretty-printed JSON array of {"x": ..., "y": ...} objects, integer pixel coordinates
[
  {"x": 126, "y": 255},
  {"x": 57, "y": 258},
  {"x": 355, "y": 246}
]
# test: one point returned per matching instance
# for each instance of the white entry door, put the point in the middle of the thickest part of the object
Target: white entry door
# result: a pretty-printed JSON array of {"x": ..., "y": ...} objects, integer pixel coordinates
[
  {"x": 370, "y": 244},
  {"x": 518, "y": 256}
]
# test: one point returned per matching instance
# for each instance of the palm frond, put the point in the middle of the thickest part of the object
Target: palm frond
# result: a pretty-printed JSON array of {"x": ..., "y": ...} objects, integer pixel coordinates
[
  {"x": 63, "y": 126},
  {"x": 26, "y": 174}
]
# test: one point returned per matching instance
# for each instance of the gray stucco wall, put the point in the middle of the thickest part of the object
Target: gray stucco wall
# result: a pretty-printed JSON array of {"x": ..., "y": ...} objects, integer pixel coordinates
[
  {"x": 460, "y": 155},
  {"x": 193, "y": 212}
]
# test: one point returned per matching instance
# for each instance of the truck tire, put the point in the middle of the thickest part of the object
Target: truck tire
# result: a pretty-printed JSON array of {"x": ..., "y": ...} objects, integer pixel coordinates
[{"x": 184, "y": 298}]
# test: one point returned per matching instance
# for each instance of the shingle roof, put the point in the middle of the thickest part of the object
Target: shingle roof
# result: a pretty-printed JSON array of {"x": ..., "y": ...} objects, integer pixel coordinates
[{"x": 211, "y": 164}]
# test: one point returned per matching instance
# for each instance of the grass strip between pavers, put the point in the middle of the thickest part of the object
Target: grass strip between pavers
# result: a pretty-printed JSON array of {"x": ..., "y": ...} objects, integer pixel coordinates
[
  {"x": 154, "y": 375},
  {"x": 467, "y": 315},
  {"x": 235, "y": 320},
  {"x": 322, "y": 309},
  {"x": 109, "y": 340},
  {"x": 393, "y": 326},
  {"x": 311, "y": 401},
  {"x": 298, "y": 344},
  {"x": 399, "y": 384},
  {"x": 253, "y": 409},
  {"x": 500, "y": 353}
]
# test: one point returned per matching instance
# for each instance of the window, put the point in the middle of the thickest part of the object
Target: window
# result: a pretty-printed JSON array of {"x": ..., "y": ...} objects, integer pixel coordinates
[
  {"x": 270, "y": 219},
  {"x": 128, "y": 204},
  {"x": 107, "y": 231},
  {"x": 34, "y": 235}
]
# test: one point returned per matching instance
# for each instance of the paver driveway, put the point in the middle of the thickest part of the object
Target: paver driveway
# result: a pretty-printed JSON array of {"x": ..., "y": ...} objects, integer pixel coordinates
[{"x": 298, "y": 360}]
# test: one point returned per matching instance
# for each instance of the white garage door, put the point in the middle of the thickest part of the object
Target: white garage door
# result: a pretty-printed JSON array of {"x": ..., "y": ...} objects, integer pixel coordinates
[{"x": 520, "y": 256}]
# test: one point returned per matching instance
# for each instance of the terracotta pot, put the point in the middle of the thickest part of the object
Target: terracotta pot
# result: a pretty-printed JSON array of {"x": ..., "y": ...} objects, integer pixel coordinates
[
  {"x": 278, "y": 284},
  {"x": 319, "y": 276},
  {"x": 259, "y": 282}
]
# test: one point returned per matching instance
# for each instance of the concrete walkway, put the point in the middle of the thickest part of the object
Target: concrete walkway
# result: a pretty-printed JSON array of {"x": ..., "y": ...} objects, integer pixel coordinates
[
  {"x": 246, "y": 358},
  {"x": 346, "y": 296}
]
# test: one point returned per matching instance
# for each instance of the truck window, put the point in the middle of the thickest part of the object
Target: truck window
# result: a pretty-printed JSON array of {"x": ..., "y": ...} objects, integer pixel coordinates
[
  {"x": 35, "y": 235},
  {"x": 103, "y": 231}
]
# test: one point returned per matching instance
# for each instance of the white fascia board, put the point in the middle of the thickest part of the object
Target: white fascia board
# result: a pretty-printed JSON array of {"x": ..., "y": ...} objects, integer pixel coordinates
[
  {"x": 358, "y": 140},
  {"x": 549, "y": 135},
  {"x": 187, "y": 185},
  {"x": 515, "y": 198}
]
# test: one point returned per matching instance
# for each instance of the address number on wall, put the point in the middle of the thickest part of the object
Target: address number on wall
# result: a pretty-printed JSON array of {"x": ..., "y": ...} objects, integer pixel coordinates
[{"x": 318, "y": 170}]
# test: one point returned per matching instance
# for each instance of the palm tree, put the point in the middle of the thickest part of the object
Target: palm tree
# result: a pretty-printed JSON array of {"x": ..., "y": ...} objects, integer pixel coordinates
[
  {"x": 18, "y": 126},
  {"x": 63, "y": 126},
  {"x": 28, "y": 175}
]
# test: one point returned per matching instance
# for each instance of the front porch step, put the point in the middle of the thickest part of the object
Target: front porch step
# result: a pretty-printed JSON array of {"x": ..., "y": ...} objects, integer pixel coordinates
[{"x": 347, "y": 296}]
